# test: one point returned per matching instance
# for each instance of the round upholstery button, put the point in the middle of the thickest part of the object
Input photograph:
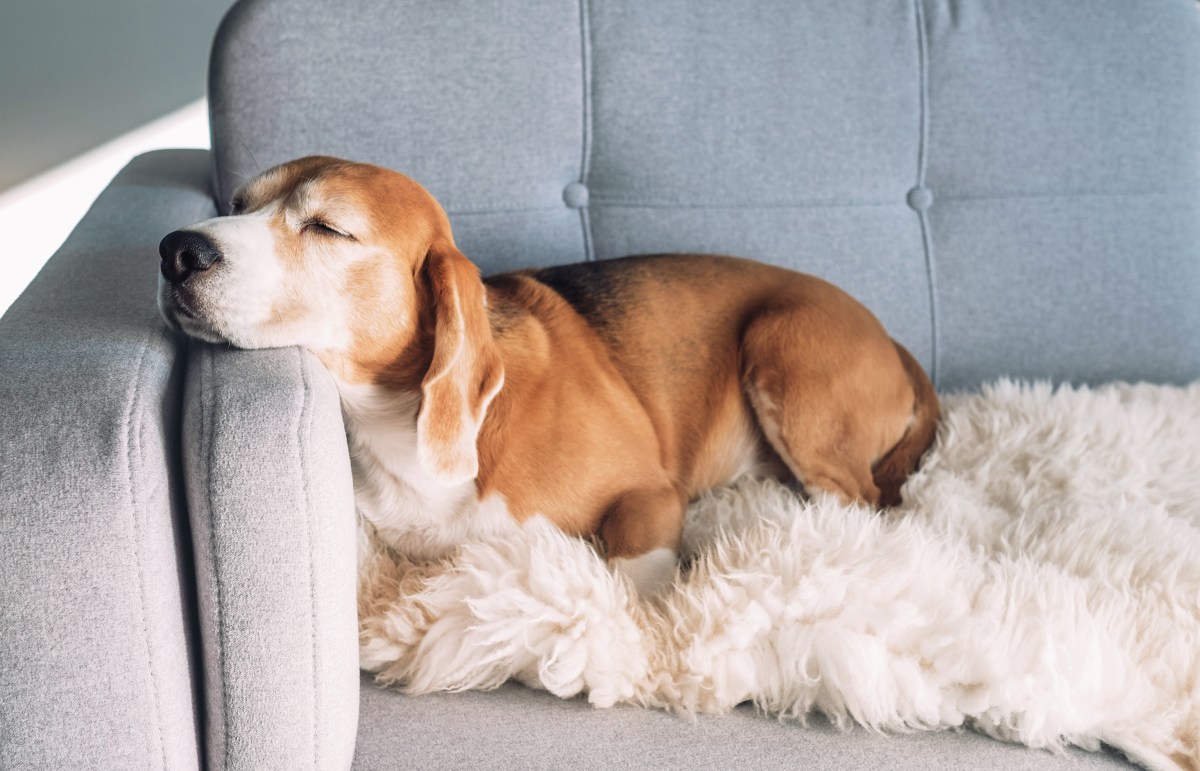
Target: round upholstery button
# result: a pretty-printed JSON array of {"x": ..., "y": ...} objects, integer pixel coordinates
[
  {"x": 920, "y": 198},
  {"x": 575, "y": 195}
]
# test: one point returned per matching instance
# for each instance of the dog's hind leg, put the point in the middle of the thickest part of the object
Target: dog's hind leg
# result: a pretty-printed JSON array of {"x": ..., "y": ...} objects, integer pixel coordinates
[{"x": 831, "y": 396}]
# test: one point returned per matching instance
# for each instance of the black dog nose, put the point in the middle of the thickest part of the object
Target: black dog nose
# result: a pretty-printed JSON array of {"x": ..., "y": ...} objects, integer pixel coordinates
[{"x": 185, "y": 252}]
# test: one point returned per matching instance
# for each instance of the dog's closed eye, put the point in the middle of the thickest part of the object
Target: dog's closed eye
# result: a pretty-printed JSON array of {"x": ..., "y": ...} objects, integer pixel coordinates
[{"x": 325, "y": 229}]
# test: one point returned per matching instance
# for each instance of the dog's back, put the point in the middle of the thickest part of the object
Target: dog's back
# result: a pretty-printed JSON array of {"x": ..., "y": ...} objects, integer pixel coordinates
[{"x": 716, "y": 347}]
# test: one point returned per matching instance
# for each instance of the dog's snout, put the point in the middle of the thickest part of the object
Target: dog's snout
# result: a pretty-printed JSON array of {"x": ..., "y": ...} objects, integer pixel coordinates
[{"x": 185, "y": 252}]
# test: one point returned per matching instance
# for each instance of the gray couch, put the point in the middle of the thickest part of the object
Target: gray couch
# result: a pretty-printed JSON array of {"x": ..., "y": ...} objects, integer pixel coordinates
[{"x": 1014, "y": 187}]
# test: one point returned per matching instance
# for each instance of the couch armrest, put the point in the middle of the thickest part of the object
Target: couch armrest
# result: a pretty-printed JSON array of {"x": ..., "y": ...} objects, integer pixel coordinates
[
  {"x": 96, "y": 621},
  {"x": 272, "y": 511}
]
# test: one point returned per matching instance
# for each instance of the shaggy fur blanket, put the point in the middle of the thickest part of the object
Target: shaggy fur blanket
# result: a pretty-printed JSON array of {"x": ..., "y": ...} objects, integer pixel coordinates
[{"x": 1040, "y": 583}]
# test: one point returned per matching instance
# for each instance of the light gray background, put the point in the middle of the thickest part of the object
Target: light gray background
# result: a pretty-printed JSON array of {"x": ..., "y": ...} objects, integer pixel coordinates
[{"x": 77, "y": 73}]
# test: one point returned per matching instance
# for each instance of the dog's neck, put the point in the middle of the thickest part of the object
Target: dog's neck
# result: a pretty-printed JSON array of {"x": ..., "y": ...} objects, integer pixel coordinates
[
  {"x": 413, "y": 513},
  {"x": 407, "y": 507}
]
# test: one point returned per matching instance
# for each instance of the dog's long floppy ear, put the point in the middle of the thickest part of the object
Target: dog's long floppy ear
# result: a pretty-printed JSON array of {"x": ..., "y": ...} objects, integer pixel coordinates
[{"x": 466, "y": 372}]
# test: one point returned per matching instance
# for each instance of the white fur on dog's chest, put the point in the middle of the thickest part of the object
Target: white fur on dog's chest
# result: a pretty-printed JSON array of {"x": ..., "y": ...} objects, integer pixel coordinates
[{"x": 413, "y": 513}]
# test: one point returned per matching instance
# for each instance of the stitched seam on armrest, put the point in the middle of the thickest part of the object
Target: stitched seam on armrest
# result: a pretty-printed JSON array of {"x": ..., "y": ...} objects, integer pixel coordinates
[
  {"x": 133, "y": 449},
  {"x": 305, "y": 427},
  {"x": 208, "y": 448}
]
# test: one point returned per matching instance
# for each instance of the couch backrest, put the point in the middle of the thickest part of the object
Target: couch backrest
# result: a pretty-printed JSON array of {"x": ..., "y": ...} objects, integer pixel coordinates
[{"x": 1013, "y": 186}]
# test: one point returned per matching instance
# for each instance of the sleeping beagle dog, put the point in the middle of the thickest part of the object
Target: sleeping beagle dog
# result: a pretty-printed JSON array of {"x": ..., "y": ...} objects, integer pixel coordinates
[{"x": 602, "y": 396}]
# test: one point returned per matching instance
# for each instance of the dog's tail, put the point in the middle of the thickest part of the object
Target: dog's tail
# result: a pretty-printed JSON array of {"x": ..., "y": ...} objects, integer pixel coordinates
[{"x": 902, "y": 460}]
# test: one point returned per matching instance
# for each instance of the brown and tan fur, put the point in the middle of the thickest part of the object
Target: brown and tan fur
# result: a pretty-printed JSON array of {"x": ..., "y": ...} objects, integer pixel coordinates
[{"x": 602, "y": 396}]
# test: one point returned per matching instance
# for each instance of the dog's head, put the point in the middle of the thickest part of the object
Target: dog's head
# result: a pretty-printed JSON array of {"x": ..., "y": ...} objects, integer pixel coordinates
[{"x": 358, "y": 264}]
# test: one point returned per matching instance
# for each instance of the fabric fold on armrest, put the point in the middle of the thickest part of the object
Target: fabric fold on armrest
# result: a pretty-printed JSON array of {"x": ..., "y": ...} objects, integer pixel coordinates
[{"x": 272, "y": 508}]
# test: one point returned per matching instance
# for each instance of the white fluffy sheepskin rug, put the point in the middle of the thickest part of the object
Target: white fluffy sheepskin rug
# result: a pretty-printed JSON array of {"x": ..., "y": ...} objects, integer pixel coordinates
[{"x": 1040, "y": 583}]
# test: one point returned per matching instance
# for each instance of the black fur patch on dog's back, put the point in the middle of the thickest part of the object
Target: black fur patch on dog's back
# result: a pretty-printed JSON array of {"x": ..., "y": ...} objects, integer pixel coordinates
[{"x": 596, "y": 290}]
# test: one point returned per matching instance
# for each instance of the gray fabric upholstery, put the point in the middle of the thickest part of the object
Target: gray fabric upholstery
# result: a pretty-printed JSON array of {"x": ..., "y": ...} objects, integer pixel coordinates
[
  {"x": 516, "y": 728},
  {"x": 1013, "y": 187},
  {"x": 1056, "y": 228},
  {"x": 1064, "y": 160},
  {"x": 272, "y": 512},
  {"x": 96, "y": 611}
]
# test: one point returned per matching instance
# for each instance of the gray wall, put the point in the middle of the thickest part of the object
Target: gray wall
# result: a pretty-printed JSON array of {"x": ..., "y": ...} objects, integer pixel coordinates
[{"x": 76, "y": 73}]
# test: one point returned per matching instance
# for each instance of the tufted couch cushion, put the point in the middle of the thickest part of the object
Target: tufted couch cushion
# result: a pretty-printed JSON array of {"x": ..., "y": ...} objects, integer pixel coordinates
[{"x": 1014, "y": 187}]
